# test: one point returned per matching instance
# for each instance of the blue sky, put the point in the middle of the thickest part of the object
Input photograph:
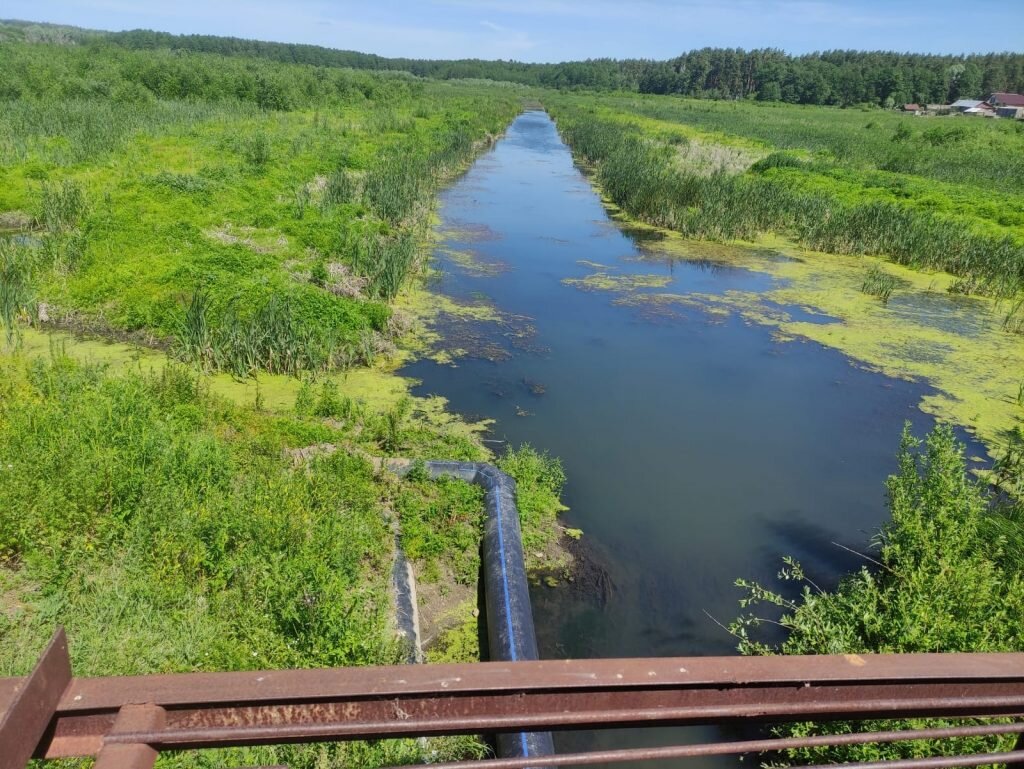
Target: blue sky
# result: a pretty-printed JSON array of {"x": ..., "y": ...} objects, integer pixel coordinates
[{"x": 558, "y": 30}]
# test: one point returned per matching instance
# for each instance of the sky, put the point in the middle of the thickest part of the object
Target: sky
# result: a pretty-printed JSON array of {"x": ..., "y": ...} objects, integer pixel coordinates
[{"x": 561, "y": 30}]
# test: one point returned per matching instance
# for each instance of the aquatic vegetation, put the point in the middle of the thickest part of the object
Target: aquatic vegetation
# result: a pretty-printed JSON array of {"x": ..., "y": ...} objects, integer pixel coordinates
[
  {"x": 824, "y": 201},
  {"x": 877, "y": 282},
  {"x": 17, "y": 289},
  {"x": 243, "y": 181},
  {"x": 1013, "y": 320},
  {"x": 604, "y": 281}
]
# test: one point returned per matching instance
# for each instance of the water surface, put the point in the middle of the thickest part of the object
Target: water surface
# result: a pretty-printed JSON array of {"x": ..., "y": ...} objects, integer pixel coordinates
[{"x": 698, "y": 448}]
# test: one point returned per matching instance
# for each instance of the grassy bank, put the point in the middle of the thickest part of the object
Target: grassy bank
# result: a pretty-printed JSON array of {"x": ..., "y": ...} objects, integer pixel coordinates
[
  {"x": 938, "y": 194},
  {"x": 205, "y": 270},
  {"x": 170, "y": 529},
  {"x": 946, "y": 575},
  {"x": 246, "y": 215}
]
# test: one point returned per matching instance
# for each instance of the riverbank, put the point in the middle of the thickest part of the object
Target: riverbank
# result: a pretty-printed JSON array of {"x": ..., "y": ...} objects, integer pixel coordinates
[
  {"x": 923, "y": 329},
  {"x": 206, "y": 303}
]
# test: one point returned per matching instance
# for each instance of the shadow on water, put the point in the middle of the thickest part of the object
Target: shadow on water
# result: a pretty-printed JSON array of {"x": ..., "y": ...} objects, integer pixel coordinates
[{"x": 698, "y": 449}]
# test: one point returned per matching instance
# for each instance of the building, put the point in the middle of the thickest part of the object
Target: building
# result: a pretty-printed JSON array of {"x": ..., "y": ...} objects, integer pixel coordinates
[
  {"x": 962, "y": 105},
  {"x": 1011, "y": 112},
  {"x": 983, "y": 109},
  {"x": 998, "y": 100},
  {"x": 912, "y": 109}
]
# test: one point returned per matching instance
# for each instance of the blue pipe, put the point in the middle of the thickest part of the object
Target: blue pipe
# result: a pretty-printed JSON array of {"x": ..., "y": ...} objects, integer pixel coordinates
[{"x": 511, "y": 635}]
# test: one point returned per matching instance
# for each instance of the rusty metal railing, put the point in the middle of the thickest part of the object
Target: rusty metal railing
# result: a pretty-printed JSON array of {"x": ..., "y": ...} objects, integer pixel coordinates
[{"x": 125, "y": 722}]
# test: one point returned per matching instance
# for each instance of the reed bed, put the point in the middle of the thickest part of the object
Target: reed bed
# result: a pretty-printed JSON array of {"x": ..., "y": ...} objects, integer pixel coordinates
[{"x": 637, "y": 172}]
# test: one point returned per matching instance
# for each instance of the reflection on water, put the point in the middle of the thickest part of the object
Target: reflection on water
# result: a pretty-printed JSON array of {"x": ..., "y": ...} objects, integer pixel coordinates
[{"x": 698, "y": 448}]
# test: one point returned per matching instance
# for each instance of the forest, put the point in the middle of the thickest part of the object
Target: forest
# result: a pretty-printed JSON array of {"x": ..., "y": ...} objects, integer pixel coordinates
[{"x": 843, "y": 78}]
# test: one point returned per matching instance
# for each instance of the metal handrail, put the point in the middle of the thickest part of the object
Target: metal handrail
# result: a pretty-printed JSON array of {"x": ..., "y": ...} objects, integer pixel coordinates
[{"x": 125, "y": 721}]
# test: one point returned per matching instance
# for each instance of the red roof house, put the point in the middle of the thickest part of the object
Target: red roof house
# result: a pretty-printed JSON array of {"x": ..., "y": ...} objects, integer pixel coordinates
[{"x": 1006, "y": 100}]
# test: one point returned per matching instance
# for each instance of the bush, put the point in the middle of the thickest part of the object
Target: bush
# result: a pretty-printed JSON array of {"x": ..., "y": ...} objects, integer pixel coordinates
[{"x": 939, "y": 586}]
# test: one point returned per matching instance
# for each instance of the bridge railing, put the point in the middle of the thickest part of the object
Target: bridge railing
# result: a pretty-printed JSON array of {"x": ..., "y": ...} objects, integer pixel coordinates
[{"x": 125, "y": 722}]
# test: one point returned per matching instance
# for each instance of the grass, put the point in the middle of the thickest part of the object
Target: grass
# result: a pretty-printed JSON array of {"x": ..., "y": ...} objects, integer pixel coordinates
[
  {"x": 823, "y": 178},
  {"x": 209, "y": 188},
  {"x": 877, "y": 282},
  {"x": 253, "y": 219},
  {"x": 16, "y": 292},
  {"x": 171, "y": 530},
  {"x": 950, "y": 578}
]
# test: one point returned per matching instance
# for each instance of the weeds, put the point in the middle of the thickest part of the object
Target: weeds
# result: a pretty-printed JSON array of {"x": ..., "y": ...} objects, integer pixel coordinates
[
  {"x": 943, "y": 585},
  {"x": 255, "y": 150},
  {"x": 394, "y": 425},
  {"x": 784, "y": 194},
  {"x": 17, "y": 290},
  {"x": 64, "y": 206},
  {"x": 340, "y": 188},
  {"x": 877, "y": 282},
  {"x": 1013, "y": 319}
]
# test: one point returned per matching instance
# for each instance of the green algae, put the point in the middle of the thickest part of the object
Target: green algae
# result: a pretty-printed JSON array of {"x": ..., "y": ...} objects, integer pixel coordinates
[
  {"x": 378, "y": 387},
  {"x": 603, "y": 281},
  {"x": 472, "y": 264},
  {"x": 957, "y": 344},
  {"x": 925, "y": 333}
]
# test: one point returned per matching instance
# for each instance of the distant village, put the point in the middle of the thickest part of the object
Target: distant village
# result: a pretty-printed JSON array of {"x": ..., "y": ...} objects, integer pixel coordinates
[{"x": 1009, "y": 105}]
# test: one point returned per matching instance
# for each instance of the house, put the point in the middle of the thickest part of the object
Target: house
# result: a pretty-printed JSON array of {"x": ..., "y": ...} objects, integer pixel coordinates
[
  {"x": 1011, "y": 112},
  {"x": 1006, "y": 100},
  {"x": 982, "y": 110},
  {"x": 962, "y": 105},
  {"x": 912, "y": 109}
]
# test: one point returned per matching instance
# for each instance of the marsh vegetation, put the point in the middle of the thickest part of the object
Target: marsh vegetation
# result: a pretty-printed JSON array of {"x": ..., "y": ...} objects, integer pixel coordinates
[{"x": 254, "y": 217}]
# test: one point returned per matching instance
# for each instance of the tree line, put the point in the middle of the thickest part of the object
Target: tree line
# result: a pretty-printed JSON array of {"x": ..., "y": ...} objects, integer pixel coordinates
[{"x": 843, "y": 78}]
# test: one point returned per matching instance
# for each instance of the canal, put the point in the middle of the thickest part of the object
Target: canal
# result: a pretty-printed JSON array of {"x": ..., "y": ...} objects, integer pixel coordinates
[{"x": 699, "y": 447}]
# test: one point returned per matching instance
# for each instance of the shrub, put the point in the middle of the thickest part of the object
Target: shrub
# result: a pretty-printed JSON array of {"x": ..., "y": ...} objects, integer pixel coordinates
[{"x": 940, "y": 586}]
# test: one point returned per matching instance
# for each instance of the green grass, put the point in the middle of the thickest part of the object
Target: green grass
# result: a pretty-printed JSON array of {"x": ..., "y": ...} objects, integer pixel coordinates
[
  {"x": 169, "y": 530},
  {"x": 877, "y": 282},
  {"x": 985, "y": 154},
  {"x": 823, "y": 178},
  {"x": 247, "y": 217},
  {"x": 202, "y": 185}
]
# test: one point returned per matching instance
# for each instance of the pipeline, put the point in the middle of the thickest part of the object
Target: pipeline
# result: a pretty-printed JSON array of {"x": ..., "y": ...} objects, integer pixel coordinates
[{"x": 511, "y": 636}]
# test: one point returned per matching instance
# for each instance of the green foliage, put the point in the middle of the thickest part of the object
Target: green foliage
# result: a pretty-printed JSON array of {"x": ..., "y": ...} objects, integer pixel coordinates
[
  {"x": 441, "y": 523},
  {"x": 318, "y": 276},
  {"x": 877, "y": 282},
  {"x": 123, "y": 479},
  {"x": 459, "y": 644},
  {"x": 831, "y": 77},
  {"x": 393, "y": 425},
  {"x": 169, "y": 531},
  {"x": 17, "y": 291},
  {"x": 341, "y": 188},
  {"x": 256, "y": 150},
  {"x": 939, "y": 584},
  {"x": 539, "y": 480},
  {"x": 1013, "y": 317},
  {"x": 157, "y": 175},
  {"x": 275, "y": 336},
  {"x": 824, "y": 202},
  {"x": 63, "y": 205}
]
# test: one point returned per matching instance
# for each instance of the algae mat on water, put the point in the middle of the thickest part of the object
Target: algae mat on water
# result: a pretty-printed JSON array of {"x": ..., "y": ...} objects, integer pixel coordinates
[
  {"x": 377, "y": 387},
  {"x": 957, "y": 344}
]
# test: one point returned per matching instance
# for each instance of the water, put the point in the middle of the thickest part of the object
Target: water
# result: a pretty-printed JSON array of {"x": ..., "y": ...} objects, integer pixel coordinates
[{"x": 698, "y": 449}]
